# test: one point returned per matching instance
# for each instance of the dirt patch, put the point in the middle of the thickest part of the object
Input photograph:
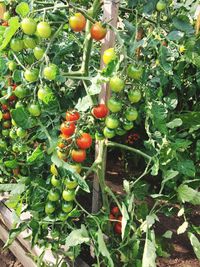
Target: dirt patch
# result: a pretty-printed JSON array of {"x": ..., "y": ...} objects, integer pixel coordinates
[{"x": 7, "y": 259}]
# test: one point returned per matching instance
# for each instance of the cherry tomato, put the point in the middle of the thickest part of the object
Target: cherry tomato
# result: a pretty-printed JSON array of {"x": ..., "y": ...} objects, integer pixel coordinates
[
  {"x": 21, "y": 132},
  {"x": 99, "y": 136},
  {"x": 6, "y": 116},
  {"x": 118, "y": 228},
  {"x": 109, "y": 55},
  {"x": 29, "y": 42},
  {"x": 115, "y": 211},
  {"x": 134, "y": 72},
  {"x": 44, "y": 29},
  {"x": 6, "y": 15},
  {"x": 72, "y": 115},
  {"x": 111, "y": 217},
  {"x": 20, "y": 92},
  {"x": 97, "y": 31},
  {"x": 68, "y": 195},
  {"x": 67, "y": 206},
  {"x": 128, "y": 125},
  {"x": 49, "y": 208},
  {"x": 112, "y": 122},
  {"x": 13, "y": 134},
  {"x": 12, "y": 65},
  {"x": 50, "y": 72},
  {"x": 38, "y": 52},
  {"x": 71, "y": 184},
  {"x": 4, "y": 107},
  {"x": 54, "y": 181},
  {"x": 31, "y": 75},
  {"x": 16, "y": 45},
  {"x": 77, "y": 22},
  {"x": 28, "y": 26},
  {"x": 3, "y": 145},
  {"x": 34, "y": 110},
  {"x": 5, "y": 132},
  {"x": 78, "y": 155},
  {"x": 161, "y": 5},
  {"x": 84, "y": 141},
  {"x": 76, "y": 167},
  {"x": 54, "y": 195},
  {"x": 131, "y": 114},
  {"x": 11, "y": 99},
  {"x": 108, "y": 133},
  {"x": 67, "y": 128},
  {"x": 6, "y": 124},
  {"x": 120, "y": 131},
  {"x": 100, "y": 111},
  {"x": 62, "y": 155},
  {"x": 62, "y": 216},
  {"x": 116, "y": 84},
  {"x": 134, "y": 96},
  {"x": 114, "y": 105}
]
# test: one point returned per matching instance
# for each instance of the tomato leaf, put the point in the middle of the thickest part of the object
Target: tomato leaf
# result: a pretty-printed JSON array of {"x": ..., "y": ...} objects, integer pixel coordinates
[
  {"x": 182, "y": 228},
  {"x": 14, "y": 233},
  {"x": 195, "y": 244},
  {"x": 36, "y": 156},
  {"x": 22, "y": 118},
  {"x": 77, "y": 237},
  {"x": 149, "y": 254},
  {"x": 175, "y": 36},
  {"x": 188, "y": 194}
]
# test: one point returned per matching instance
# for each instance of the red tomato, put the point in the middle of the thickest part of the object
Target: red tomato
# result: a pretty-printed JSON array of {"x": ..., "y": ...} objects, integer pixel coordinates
[
  {"x": 5, "y": 24},
  {"x": 100, "y": 111},
  {"x": 84, "y": 141},
  {"x": 111, "y": 217},
  {"x": 72, "y": 116},
  {"x": 67, "y": 128},
  {"x": 4, "y": 107},
  {"x": 78, "y": 155},
  {"x": 12, "y": 98},
  {"x": 119, "y": 218},
  {"x": 6, "y": 116},
  {"x": 118, "y": 228},
  {"x": 115, "y": 211},
  {"x": 97, "y": 31},
  {"x": 77, "y": 22}
]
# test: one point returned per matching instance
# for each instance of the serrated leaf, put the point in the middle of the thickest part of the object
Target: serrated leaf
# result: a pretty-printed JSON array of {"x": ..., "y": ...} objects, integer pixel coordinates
[
  {"x": 84, "y": 103},
  {"x": 175, "y": 123},
  {"x": 182, "y": 228},
  {"x": 186, "y": 167},
  {"x": 188, "y": 194},
  {"x": 14, "y": 233},
  {"x": 182, "y": 23},
  {"x": 149, "y": 254},
  {"x": 36, "y": 156},
  {"x": 22, "y": 118},
  {"x": 77, "y": 237},
  {"x": 22, "y": 9},
  {"x": 170, "y": 174}
]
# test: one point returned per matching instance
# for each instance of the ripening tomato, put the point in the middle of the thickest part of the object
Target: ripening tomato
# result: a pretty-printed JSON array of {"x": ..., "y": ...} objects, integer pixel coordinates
[
  {"x": 77, "y": 22},
  {"x": 31, "y": 75},
  {"x": 118, "y": 228},
  {"x": 161, "y": 5},
  {"x": 4, "y": 107},
  {"x": 71, "y": 184},
  {"x": 50, "y": 72},
  {"x": 28, "y": 26},
  {"x": 6, "y": 124},
  {"x": 109, "y": 55},
  {"x": 54, "y": 181},
  {"x": 6, "y": 116},
  {"x": 38, "y": 52},
  {"x": 43, "y": 29},
  {"x": 67, "y": 128},
  {"x": 16, "y": 45},
  {"x": 111, "y": 217},
  {"x": 68, "y": 195},
  {"x": 78, "y": 155},
  {"x": 114, "y": 105},
  {"x": 100, "y": 111},
  {"x": 134, "y": 72},
  {"x": 131, "y": 114},
  {"x": 116, "y": 84},
  {"x": 115, "y": 211},
  {"x": 5, "y": 24},
  {"x": 72, "y": 115},
  {"x": 134, "y": 95},
  {"x": 84, "y": 141},
  {"x": 97, "y": 31}
]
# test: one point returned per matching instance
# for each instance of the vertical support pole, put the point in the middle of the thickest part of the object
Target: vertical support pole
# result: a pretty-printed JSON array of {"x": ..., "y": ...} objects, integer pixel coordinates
[{"x": 110, "y": 13}]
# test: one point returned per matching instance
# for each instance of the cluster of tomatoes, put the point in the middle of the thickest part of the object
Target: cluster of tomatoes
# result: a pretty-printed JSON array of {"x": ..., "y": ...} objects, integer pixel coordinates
[
  {"x": 73, "y": 146},
  {"x": 116, "y": 218}
]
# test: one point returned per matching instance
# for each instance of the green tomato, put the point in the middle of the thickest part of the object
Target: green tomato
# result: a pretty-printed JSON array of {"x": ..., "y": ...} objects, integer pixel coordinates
[
  {"x": 13, "y": 122},
  {"x": 62, "y": 216},
  {"x": 99, "y": 136},
  {"x": 134, "y": 72},
  {"x": 128, "y": 125},
  {"x": 6, "y": 16},
  {"x": 68, "y": 195},
  {"x": 5, "y": 132},
  {"x": 28, "y": 26},
  {"x": 19, "y": 105},
  {"x": 67, "y": 206},
  {"x": 45, "y": 94},
  {"x": 114, "y": 105},
  {"x": 21, "y": 132},
  {"x": 20, "y": 92},
  {"x": 23, "y": 148},
  {"x": 161, "y": 5},
  {"x": 43, "y": 29},
  {"x": 131, "y": 114},
  {"x": 71, "y": 184},
  {"x": 54, "y": 195},
  {"x": 38, "y": 52},
  {"x": 120, "y": 131},
  {"x": 3, "y": 144},
  {"x": 30, "y": 59},
  {"x": 108, "y": 133},
  {"x": 134, "y": 96},
  {"x": 13, "y": 134},
  {"x": 55, "y": 182},
  {"x": 12, "y": 65},
  {"x": 29, "y": 42},
  {"x": 34, "y": 110},
  {"x": 112, "y": 122},
  {"x": 116, "y": 84},
  {"x": 50, "y": 72},
  {"x": 15, "y": 148},
  {"x": 31, "y": 75},
  {"x": 16, "y": 45},
  {"x": 49, "y": 208}
]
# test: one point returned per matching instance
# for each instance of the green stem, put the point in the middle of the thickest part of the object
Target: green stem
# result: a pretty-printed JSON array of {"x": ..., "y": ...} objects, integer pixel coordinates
[{"x": 131, "y": 149}]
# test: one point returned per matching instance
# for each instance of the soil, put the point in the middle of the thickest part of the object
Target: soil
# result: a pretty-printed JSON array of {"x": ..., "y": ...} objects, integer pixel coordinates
[{"x": 7, "y": 259}]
